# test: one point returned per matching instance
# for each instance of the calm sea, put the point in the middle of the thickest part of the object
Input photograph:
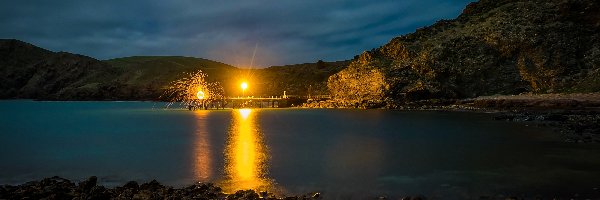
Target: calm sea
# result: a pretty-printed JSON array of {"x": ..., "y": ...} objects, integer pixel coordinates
[{"x": 343, "y": 154}]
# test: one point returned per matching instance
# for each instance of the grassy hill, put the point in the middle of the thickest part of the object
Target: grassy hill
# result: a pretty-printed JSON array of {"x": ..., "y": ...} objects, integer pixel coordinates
[
  {"x": 148, "y": 76},
  {"x": 299, "y": 79},
  {"x": 144, "y": 70},
  {"x": 31, "y": 72},
  {"x": 157, "y": 71}
]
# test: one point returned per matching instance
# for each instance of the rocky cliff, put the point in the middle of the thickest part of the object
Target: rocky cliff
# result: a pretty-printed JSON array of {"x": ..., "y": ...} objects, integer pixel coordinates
[{"x": 493, "y": 47}]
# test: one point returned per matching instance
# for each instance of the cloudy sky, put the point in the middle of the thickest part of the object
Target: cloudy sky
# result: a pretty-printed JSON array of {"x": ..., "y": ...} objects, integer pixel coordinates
[{"x": 282, "y": 31}]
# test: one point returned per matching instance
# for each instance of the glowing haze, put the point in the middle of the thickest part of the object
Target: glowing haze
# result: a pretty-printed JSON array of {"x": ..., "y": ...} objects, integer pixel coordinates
[{"x": 284, "y": 31}]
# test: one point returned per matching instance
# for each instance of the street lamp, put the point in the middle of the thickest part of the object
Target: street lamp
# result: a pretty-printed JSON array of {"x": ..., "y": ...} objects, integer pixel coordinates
[
  {"x": 244, "y": 86},
  {"x": 200, "y": 95}
]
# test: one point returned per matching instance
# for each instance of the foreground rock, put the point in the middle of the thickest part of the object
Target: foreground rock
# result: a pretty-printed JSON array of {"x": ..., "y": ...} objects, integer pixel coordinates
[{"x": 60, "y": 188}]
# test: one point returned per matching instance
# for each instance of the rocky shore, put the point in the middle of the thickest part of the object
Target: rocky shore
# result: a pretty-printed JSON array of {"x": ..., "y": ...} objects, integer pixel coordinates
[
  {"x": 576, "y": 117},
  {"x": 580, "y": 126},
  {"x": 60, "y": 188}
]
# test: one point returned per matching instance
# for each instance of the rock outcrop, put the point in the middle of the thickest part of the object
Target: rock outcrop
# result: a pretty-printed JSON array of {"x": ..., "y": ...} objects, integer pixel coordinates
[{"x": 493, "y": 47}]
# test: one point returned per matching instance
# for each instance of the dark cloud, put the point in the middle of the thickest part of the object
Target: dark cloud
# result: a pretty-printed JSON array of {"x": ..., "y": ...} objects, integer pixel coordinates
[{"x": 284, "y": 31}]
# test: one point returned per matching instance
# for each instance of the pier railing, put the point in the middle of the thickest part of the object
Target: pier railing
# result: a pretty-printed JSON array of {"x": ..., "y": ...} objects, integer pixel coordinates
[{"x": 258, "y": 102}]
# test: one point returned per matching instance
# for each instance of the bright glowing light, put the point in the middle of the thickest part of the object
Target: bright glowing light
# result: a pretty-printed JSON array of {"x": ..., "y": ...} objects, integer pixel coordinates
[
  {"x": 245, "y": 113},
  {"x": 202, "y": 148},
  {"x": 246, "y": 155},
  {"x": 200, "y": 95},
  {"x": 246, "y": 151},
  {"x": 244, "y": 86}
]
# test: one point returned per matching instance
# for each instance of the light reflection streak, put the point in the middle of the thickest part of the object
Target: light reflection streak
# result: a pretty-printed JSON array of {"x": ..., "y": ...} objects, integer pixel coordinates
[
  {"x": 202, "y": 161},
  {"x": 245, "y": 155}
]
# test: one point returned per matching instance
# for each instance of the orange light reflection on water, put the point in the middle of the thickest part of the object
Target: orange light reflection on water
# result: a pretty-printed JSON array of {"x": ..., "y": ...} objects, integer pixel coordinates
[
  {"x": 245, "y": 155},
  {"x": 202, "y": 162}
]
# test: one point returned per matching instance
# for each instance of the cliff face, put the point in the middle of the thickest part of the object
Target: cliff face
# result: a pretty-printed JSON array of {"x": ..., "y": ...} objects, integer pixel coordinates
[
  {"x": 493, "y": 47},
  {"x": 362, "y": 81}
]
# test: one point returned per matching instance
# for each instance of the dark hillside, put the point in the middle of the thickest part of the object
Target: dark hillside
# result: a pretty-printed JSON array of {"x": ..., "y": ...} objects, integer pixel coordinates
[
  {"x": 299, "y": 79},
  {"x": 493, "y": 47},
  {"x": 31, "y": 72}
]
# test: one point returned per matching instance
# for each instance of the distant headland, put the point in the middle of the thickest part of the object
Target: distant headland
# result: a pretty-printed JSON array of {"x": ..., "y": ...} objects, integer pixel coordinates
[{"x": 493, "y": 48}]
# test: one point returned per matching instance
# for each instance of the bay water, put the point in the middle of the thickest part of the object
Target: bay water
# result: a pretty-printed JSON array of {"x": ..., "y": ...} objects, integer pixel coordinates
[{"x": 341, "y": 153}]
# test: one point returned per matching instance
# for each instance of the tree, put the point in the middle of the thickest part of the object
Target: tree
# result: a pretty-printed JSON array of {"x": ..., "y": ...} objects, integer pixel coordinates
[{"x": 193, "y": 91}]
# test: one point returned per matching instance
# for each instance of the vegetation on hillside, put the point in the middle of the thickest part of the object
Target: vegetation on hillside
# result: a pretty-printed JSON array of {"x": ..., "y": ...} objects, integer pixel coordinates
[
  {"x": 147, "y": 77},
  {"x": 31, "y": 72},
  {"x": 300, "y": 79},
  {"x": 493, "y": 47},
  {"x": 193, "y": 91}
]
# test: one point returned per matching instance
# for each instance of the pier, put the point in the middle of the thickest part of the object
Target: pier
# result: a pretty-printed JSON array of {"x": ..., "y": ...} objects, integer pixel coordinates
[
  {"x": 245, "y": 101},
  {"x": 258, "y": 102},
  {"x": 252, "y": 102}
]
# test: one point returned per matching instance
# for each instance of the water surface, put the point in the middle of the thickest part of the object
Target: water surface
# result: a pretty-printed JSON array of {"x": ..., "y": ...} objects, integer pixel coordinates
[{"x": 340, "y": 153}]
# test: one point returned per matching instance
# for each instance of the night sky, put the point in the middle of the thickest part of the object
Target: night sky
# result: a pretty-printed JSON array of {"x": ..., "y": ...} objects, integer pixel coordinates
[{"x": 284, "y": 31}]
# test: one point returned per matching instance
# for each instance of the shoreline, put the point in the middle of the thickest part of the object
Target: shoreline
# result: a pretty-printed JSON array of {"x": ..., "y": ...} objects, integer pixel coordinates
[
  {"x": 61, "y": 188},
  {"x": 575, "y": 117}
]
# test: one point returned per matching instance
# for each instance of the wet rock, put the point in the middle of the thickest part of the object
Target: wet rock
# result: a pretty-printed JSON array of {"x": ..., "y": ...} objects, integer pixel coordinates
[
  {"x": 98, "y": 192},
  {"x": 200, "y": 191},
  {"x": 126, "y": 194},
  {"x": 244, "y": 194},
  {"x": 578, "y": 126},
  {"x": 146, "y": 194},
  {"x": 131, "y": 185},
  {"x": 152, "y": 186},
  {"x": 3, "y": 189},
  {"x": 316, "y": 195},
  {"x": 88, "y": 184},
  {"x": 59, "y": 188},
  {"x": 419, "y": 197}
]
